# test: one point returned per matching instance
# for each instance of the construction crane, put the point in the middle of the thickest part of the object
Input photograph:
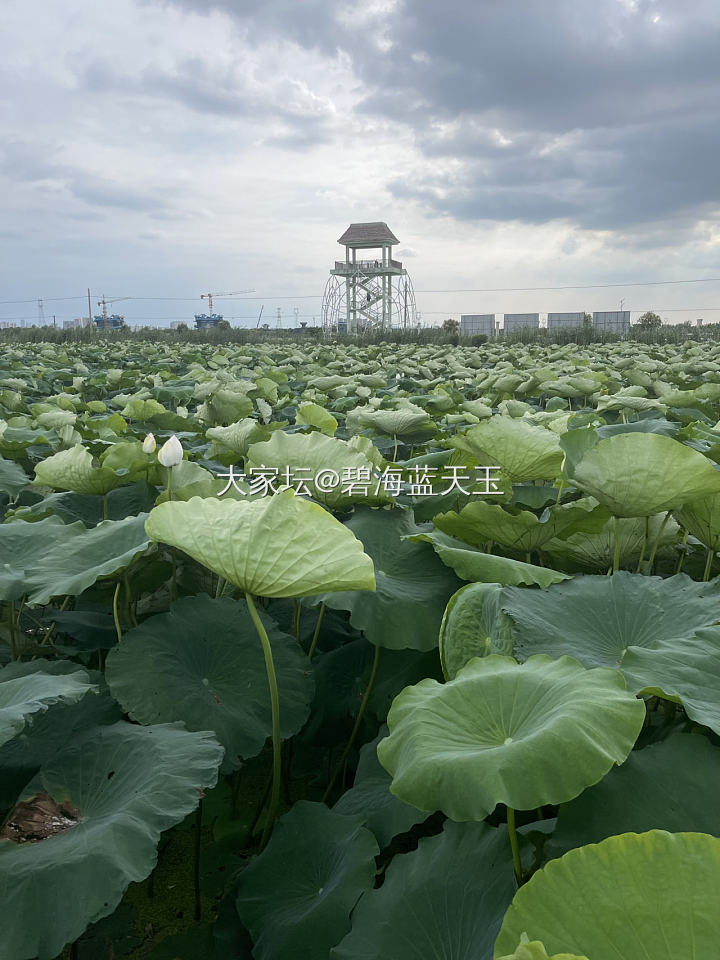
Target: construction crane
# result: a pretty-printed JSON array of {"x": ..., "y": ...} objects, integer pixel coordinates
[
  {"x": 209, "y": 296},
  {"x": 106, "y": 300}
]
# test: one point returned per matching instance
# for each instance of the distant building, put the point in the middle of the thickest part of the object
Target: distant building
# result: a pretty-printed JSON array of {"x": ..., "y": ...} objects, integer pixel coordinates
[
  {"x": 699, "y": 322},
  {"x": 77, "y": 322},
  {"x": 519, "y": 321},
  {"x": 612, "y": 321},
  {"x": 204, "y": 321},
  {"x": 114, "y": 322},
  {"x": 472, "y": 323},
  {"x": 565, "y": 321}
]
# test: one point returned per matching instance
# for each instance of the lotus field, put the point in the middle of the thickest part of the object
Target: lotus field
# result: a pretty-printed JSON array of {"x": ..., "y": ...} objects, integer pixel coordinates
[{"x": 325, "y": 652}]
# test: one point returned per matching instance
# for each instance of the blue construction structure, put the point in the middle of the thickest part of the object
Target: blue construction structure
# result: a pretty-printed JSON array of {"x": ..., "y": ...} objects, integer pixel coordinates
[{"x": 114, "y": 322}]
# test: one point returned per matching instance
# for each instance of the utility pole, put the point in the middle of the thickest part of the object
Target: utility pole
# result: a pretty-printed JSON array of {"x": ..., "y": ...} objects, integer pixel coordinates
[
  {"x": 90, "y": 318},
  {"x": 41, "y": 313},
  {"x": 296, "y": 311},
  {"x": 278, "y": 319}
]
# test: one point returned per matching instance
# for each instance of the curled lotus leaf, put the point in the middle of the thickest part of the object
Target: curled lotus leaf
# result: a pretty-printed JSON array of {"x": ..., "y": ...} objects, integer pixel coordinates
[
  {"x": 492, "y": 735},
  {"x": 73, "y": 469},
  {"x": 278, "y": 546},
  {"x": 25, "y": 692},
  {"x": 524, "y": 452},
  {"x": 640, "y": 474}
]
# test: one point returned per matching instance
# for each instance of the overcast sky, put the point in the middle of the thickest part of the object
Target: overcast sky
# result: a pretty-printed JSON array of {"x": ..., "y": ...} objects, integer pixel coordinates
[{"x": 162, "y": 148}]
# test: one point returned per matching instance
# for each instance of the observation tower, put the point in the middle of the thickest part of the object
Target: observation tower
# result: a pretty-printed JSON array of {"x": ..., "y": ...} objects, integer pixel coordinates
[{"x": 374, "y": 293}]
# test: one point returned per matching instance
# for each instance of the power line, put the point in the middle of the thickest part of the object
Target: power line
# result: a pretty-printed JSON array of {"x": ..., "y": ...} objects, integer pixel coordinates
[{"x": 318, "y": 296}]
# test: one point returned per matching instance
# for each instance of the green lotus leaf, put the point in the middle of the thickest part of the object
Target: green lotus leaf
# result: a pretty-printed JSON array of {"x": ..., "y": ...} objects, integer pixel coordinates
[
  {"x": 406, "y": 422},
  {"x": 202, "y": 663},
  {"x": 491, "y": 735},
  {"x": 536, "y": 951},
  {"x": 22, "y": 545},
  {"x": 100, "y": 807},
  {"x": 445, "y": 899},
  {"x": 190, "y": 480},
  {"x": 75, "y": 562},
  {"x": 303, "y": 549},
  {"x": 480, "y": 522},
  {"x": 594, "y": 549},
  {"x": 474, "y": 625},
  {"x": 671, "y": 785},
  {"x": 640, "y": 474},
  {"x": 73, "y": 470},
  {"x": 129, "y": 460},
  {"x": 471, "y": 564},
  {"x": 625, "y": 402},
  {"x": 23, "y": 694},
  {"x": 412, "y": 585},
  {"x": 702, "y": 519},
  {"x": 604, "y": 900},
  {"x": 237, "y": 437},
  {"x": 370, "y": 798},
  {"x": 313, "y": 415},
  {"x": 600, "y": 620},
  {"x": 691, "y": 677},
  {"x": 297, "y": 896},
  {"x": 142, "y": 410},
  {"x": 12, "y": 477},
  {"x": 312, "y": 456},
  {"x": 225, "y": 407},
  {"x": 524, "y": 452},
  {"x": 56, "y": 419}
]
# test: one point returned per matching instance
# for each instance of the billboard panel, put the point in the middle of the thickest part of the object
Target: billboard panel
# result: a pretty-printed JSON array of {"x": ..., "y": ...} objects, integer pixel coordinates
[{"x": 477, "y": 323}]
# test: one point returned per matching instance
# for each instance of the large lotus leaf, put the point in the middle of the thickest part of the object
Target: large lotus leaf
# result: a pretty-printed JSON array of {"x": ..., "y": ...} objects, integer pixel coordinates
[
  {"x": 297, "y": 896},
  {"x": 237, "y": 437},
  {"x": 444, "y": 900},
  {"x": 333, "y": 472},
  {"x": 493, "y": 734},
  {"x": 702, "y": 519},
  {"x": 623, "y": 401},
  {"x": 23, "y": 694},
  {"x": 687, "y": 673},
  {"x": 12, "y": 477},
  {"x": 409, "y": 422},
  {"x": 595, "y": 549},
  {"x": 202, "y": 663},
  {"x": 605, "y": 900},
  {"x": 370, "y": 798},
  {"x": 113, "y": 793},
  {"x": 73, "y": 564},
  {"x": 639, "y": 474},
  {"x": 313, "y": 415},
  {"x": 671, "y": 785},
  {"x": 523, "y": 451},
  {"x": 225, "y": 407},
  {"x": 22, "y": 545},
  {"x": 142, "y": 410},
  {"x": 599, "y": 620},
  {"x": 278, "y": 546},
  {"x": 129, "y": 461},
  {"x": 413, "y": 586},
  {"x": 73, "y": 470},
  {"x": 474, "y": 625},
  {"x": 479, "y": 522},
  {"x": 471, "y": 564}
]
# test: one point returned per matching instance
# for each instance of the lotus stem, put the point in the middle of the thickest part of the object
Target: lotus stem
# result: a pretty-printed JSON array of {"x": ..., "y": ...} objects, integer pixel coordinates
[
  {"x": 644, "y": 543},
  {"x": 708, "y": 564},
  {"x": 13, "y": 632},
  {"x": 616, "y": 556},
  {"x": 275, "y": 706},
  {"x": 296, "y": 619},
  {"x": 395, "y": 449},
  {"x": 106, "y": 509},
  {"x": 196, "y": 859},
  {"x": 116, "y": 618},
  {"x": 358, "y": 721},
  {"x": 514, "y": 845},
  {"x": 651, "y": 559},
  {"x": 220, "y": 587},
  {"x": 681, "y": 561},
  {"x": 48, "y": 632},
  {"x": 316, "y": 635}
]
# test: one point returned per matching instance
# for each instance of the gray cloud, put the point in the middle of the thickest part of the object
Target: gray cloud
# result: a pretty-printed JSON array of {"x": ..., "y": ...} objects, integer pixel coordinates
[{"x": 602, "y": 112}]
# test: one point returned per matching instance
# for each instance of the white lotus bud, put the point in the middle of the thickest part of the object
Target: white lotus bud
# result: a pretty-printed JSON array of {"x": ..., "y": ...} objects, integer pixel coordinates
[
  {"x": 171, "y": 452},
  {"x": 149, "y": 444}
]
